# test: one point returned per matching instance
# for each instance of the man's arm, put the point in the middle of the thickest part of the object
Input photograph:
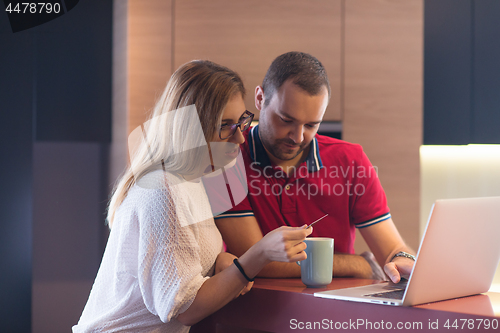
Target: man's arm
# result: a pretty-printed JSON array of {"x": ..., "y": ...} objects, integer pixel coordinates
[
  {"x": 385, "y": 241},
  {"x": 241, "y": 233}
]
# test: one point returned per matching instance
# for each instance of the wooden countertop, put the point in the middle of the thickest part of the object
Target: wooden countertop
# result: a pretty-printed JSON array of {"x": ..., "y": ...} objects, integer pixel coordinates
[{"x": 286, "y": 305}]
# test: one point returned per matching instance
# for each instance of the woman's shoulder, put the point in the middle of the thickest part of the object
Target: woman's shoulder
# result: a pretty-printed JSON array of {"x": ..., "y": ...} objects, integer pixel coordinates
[
  {"x": 150, "y": 194},
  {"x": 157, "y": 180}
]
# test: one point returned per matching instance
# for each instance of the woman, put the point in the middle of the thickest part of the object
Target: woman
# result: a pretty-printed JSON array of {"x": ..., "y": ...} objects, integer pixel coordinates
[{"x": 157, "y": 273}]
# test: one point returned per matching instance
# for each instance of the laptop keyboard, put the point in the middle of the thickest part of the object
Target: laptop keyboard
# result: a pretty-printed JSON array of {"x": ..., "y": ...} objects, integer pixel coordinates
[{"x": 395, "y": 294}]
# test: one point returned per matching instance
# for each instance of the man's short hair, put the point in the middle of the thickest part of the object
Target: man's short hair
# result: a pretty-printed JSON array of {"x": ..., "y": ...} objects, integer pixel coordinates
[{"x": 306, "y": 71}]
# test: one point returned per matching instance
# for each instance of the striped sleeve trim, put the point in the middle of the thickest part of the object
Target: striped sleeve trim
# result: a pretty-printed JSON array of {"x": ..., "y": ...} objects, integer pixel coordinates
[
  {"x": 373, "y": 221},
  {"x": 242, "y": 213}
]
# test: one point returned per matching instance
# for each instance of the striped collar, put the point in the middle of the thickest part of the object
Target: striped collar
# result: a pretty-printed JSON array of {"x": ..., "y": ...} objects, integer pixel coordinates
[{"x": 258, "y": 153}]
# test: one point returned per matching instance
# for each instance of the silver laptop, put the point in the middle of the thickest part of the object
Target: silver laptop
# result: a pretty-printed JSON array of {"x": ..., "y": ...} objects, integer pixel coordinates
[{"x": 458, "y": 256}]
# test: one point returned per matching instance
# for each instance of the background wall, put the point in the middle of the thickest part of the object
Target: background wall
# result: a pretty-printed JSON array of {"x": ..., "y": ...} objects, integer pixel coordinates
[
  {"x": 55, "y": 119},
  {"x": 372, "y": 51},
  {"x": 16, "y": 177},
  {"x": 462, "y": 72},
  {"x": 383, "y": 99},
  {"x": 61, "y": 94},
  {"x": 462, "y": 103}
]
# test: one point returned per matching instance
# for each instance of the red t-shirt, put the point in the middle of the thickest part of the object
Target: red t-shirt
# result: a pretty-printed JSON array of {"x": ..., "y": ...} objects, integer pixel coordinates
[{"x": 335, "y": 179}]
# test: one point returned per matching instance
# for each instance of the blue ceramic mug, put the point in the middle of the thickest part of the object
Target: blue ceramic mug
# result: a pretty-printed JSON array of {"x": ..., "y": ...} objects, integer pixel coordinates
[{"x": 317, "y": 270}]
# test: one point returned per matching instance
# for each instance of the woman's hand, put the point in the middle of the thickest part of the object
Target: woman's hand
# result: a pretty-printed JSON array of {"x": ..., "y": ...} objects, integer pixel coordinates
[
  {"x": 223, "y": 261},
  {"x": 285, "y": 244},
  {"x": 245, "y": 289}
]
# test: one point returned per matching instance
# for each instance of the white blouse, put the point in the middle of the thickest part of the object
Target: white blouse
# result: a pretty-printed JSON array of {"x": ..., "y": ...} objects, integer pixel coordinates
[{"x": 161, "y": 249}]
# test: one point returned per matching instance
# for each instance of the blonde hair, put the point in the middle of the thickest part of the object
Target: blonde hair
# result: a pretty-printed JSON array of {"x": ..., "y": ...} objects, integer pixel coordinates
[{"x": 202, "y": 84}]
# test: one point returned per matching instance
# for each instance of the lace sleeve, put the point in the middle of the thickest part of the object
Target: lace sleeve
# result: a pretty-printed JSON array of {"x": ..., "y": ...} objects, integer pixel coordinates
[{"x": 169, "y": 267}]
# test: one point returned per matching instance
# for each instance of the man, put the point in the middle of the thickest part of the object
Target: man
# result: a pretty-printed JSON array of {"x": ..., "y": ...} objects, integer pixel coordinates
[{"x": 296, "y": 176}]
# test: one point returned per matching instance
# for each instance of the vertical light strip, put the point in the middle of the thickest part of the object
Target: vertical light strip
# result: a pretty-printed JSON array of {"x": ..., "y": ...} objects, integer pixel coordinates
[{"x": 458, "y": 172}]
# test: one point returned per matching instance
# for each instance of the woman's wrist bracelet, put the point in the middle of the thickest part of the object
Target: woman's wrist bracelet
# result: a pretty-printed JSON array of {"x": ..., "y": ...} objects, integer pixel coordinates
[{"x": 237, "y": 264}]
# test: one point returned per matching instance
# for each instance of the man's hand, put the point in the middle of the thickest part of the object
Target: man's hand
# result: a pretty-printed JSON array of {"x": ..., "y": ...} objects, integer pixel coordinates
[
  {"x": 384, "y": 241},
  {"x": 224, "y": 260},
  {"x": 399, "y": 267}
]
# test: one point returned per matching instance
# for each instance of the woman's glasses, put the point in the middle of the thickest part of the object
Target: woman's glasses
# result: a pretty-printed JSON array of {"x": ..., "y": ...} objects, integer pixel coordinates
[{"x": 227, "y": 131}]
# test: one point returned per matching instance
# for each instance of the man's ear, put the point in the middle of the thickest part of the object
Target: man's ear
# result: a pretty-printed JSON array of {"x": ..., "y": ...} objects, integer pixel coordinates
[{"x": 259, "y": 98}]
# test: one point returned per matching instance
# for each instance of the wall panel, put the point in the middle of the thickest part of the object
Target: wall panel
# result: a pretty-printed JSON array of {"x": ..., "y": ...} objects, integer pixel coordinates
[
  {"x": 73, "y": 75},
  {"x": 448, "y": 72},
  {"x": 486, "y": 73},
  {"x": 149, "y": 55},
  {"x": 69, "y": 192},
  {"x": 247, "y": 35},
  {"x": 118, "y": 148},
  {"x": 383, "y": 98},
  {"x": 16, "y": 177}
]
